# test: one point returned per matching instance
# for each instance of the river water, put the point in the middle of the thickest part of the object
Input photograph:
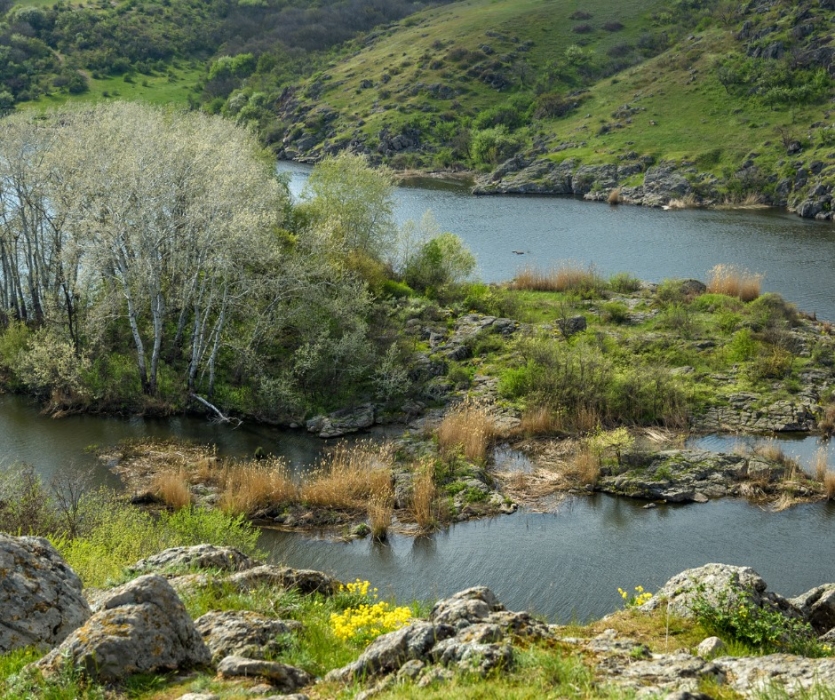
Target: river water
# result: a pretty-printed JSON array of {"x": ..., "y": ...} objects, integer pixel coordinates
[{"x": 567, "y": 564}]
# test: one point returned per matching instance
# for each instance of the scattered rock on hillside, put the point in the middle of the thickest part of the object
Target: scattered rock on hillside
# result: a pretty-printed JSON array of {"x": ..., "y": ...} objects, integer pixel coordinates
[
  {"x": 141, "y": 627},
  {"x": 818, "y": 607},
  {"x": 40, "y": 596},
  {"x": 286, "y": 678},
  {"x": 720, "y": 585},
  {"x": 201, "y": 556},
  {"x": 243, "y": 633}
]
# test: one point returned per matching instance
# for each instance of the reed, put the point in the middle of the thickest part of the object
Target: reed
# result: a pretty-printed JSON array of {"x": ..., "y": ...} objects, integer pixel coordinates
[
  {"x": 829, "y": 485},
  {"x": 350, "y": 477},
  {"x": 562, "y": 278},
  {"x": 585, "y": 466},
  {"x": 380, "y": 508},
  {"x": 468, "y": 427},
  {"x": 770, "y": 450},
  {"x": 423, "y": 496},
  {"x": 827, "y": 420},
  {"x": 820, "y": 465},
  {"x": 540, "y": 420},
  {"x": 172, "y": 488},
  {"x": 614, "y": 196},
  {"x": 734, "y": 282},
  {"x": 249, "y": 487}
]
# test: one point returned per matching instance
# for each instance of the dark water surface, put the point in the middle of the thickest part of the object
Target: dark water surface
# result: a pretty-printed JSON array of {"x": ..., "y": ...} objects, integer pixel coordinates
[{"x": 567, "y": 564}]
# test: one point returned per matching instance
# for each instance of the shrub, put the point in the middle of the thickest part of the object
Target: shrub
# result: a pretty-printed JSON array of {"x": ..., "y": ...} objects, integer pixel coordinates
[
  {"x": 441, "y": 261},
  {"x": 493, "y": 146},
  {"x": 612, "y": 26},
  {"x": 624, "y": 283},
  {"x": 614, "y": 312},
  {"x": 742, "y": 347},
  {"x": 582, "y": 29},
  {"x": 580, "y": 14}
]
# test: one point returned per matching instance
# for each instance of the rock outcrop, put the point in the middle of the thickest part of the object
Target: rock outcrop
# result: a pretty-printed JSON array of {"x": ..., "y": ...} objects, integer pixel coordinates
[
  {"x": 285, "y": 678},
  {"x": 243, "y": 633},
  {"x": 40, "y": 596},
  {"x": 141, "y": 627}
]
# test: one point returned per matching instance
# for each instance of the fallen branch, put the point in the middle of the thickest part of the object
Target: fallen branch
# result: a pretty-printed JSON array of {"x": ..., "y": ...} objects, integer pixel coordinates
[{"x": 220, "y": 417}]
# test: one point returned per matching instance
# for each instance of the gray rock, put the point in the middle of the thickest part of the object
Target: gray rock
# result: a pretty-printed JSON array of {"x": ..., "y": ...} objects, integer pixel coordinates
[
  {"x": 570, "y": 326},
  {"x": 141, "y": 627},
  {"x": 411, "y": 670},
  {"x": 663, "y": 183},
  {"x": 669, "y": 672},
  {"x": 818, "y": 607},
  {"x": 517, "y": 624},
  {"x": 303, "y": 580},
  {"x": 473, "y": 656},
  {"x": 342, "y": 422},
  {"x": 466, "y": 607},
  {"x": 199, "y": 696},
  {"x": 201, "y": 556},
  {"x": 40, "y": 596},
  {"x": 434, "y": 674},
  {"x": 389, "y": 652},
  {"x": 712, "y": 646},
  {"x": 286, "y": 678},
  {"x": 719, "y": 585},
  {"x": 795, "y": 675},
  {"x": 243, "y": 633}
]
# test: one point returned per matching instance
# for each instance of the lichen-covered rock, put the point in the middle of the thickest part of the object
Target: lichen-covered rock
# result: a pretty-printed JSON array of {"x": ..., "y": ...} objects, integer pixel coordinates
[
  {"x": 40, "y": 596},
  {"x": 342, "y": 422},
  {"x": 303, "y": 580},
  {"x": 286, "y": 678},
  {"x": 718, "y": 585},
  {"x": 818, "y": 607},
  {"x": 711, "y": 646},
  {"x": 389, "y": 652},
  {"x": 243, "y": 633},
  {"x": 466, "y": 607},
  {"x": 141, "y": 627},
  {"x": 201, "y": 556},
  {"x": 473, "y": 656},
  {"x": 751, "y": 676}
]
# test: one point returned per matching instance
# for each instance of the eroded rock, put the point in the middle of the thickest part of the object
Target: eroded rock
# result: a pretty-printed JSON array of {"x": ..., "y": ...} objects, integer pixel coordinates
[
  {"x": 201, "y": 556},
  {"x": 286, "y": 678},
  {"x": 243, "y": 633}
]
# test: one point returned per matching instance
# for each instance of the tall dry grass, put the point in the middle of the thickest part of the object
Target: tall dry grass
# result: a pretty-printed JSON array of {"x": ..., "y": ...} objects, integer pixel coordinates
[
  {"x": 248, "y": 487},
  {"x": 540, "y": 420},
  {"x": 585, "y": 466},
  {"x": 820, "y": 465},
  {"x": 827, "y": 420},
  {"x": 172, "y": 488},
  {"x": 771, "y": 450},
  {"x": 351, "y": 477},
  {"x": 468, "y": 427},
  {"x": 562, "y": 278},
  {"x": 423, "y": 495},
  {"x": 614, "y": 196},
  {"x": 829, "y": 485},
  {"x": 734, "y": 282},
  {"x": 380, "y": 508},
  {"x": 688, "y": 201}
]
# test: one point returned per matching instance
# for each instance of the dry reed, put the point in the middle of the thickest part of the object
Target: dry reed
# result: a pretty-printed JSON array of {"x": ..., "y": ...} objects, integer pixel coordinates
[
  {"x": 172, "y": 487},
  {"x": 468, "y": 427},
  {"x": 827, "y": 421},
  {"x": 829, "y": 485},
  {"x": 565, "y": 277},
  {"x": 734, "y": 282},
  {"x": 423, "y": 495},
  {"x": 586, "y": 466},
  {"x": 614, "y": 196},
  {"x": 380, "y": 508},
  {"x": 248, "y": 487},
  {"x": 770, "y": 450},
  {"x": 820, "y": 465},
  {"x": 350, "y": 477},
  {"x": 689, "y": 201},
  {"x": 540, "y": 420}
]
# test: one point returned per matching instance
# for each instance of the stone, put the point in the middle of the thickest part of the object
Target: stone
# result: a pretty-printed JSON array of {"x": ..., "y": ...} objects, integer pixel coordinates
[
  {"x": 390, "y": 651},
  {"x": 795, "y": 675},
  {"x": 199, "y": 696},
  {"x": 818, "y": 607},
  {"x": 517, "y": 624},
  {"x": 572, "y": 325},
  {"x": 286, "y": 678},
  {"x": 243, "y": 633},
  {"x": 473, "y": 657},
  {"x": 718, "y": 585},
  {"x": 40, "y": 596},
  {"x": 201, "y": 556},
  {"x": 712, "y": 646},
  {"x": 342, "y": 422},
  {"x": 466, "y": 607},
  {"x": 141, "y": 627},
  {"x": 411, "y": 670},
  {"x": 303, "y": 580},
  {"x": 434, "y": 674}
]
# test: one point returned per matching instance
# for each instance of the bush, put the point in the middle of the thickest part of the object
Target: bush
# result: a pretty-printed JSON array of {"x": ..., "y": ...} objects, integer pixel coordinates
[
  {"x": 441, "y": 261},
  {"x": 493, "y": 146}
]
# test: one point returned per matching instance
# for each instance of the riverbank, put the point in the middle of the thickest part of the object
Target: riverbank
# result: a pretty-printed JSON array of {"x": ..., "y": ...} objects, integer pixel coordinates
[{"x": 228, "y": 626}]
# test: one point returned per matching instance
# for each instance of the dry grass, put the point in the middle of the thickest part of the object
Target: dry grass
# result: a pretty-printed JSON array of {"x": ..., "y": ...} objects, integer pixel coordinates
[
  {"x": 540, "y": 420},
  {"x": 350, "y": 477},
  {"x": 734, "y": 282},
  {"x": 468, "y": 427},
  {"x": 689, "y": 201},
  {"x": 829, "y": 485},
  {"x": 614, "y": 196},
  {"x": 565, "y": 277},
  {"x": 423, "y": 496},
  {"x": 827, "y": 422},
  {"x": 172, "y": 487},
  {"x": 820, "y": 465},
  {"x": 248, "y": 487},
  {"x": 585, "y": 419},
  {"x": 380, "y": 509},
  {"x": 770, "y": 450},
  {"x": 585, "y": 466}
]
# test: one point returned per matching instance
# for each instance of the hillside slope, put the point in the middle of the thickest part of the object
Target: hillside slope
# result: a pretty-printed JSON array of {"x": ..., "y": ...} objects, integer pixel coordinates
[{"x": 733, "y": 99}]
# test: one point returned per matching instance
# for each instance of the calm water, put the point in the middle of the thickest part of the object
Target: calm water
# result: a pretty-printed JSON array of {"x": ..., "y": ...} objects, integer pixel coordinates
[
  {"x": 567, "y": 564},
  {"x": 797, "y": 257}
]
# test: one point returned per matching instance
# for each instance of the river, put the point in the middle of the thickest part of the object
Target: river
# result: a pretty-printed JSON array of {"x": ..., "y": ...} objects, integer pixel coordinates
[{"x": 567, "y": 564}]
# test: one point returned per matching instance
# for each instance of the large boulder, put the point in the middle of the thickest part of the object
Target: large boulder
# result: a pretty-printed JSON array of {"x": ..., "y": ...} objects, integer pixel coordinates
[
  {"x": 818, "y": 607},
  {"x": 465, "y": 608},
  {"x": 719, "y": 585},
  {"x": 141, "y": 627},
  {"x": 201, "y": 556},
  {"x": 40, "y": 596},
  {"x": 243, "y": 633}
]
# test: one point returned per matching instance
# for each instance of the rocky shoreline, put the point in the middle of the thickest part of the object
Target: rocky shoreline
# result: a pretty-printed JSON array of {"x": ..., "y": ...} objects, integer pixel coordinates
[{"x": 142, "y": 626}]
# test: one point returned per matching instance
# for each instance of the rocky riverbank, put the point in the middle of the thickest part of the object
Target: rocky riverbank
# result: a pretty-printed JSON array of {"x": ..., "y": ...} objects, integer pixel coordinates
[{"x": 663, "y": 648}]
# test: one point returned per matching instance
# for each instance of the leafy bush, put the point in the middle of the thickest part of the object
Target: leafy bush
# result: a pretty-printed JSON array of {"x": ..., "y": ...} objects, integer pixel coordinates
[
  {"x": 441, "y": 261},
  {"x": 492, "y": 146}
]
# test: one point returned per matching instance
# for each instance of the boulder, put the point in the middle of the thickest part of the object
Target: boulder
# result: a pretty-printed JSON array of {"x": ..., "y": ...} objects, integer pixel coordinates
[
  {"x": 243, "y": 633},
  {"x": 818, "y": 607},
  {"x": 753, "y": 676},
  {"x": 302, "y": 580},
  {"x": 40, "y": 596},
  {"x": 719, "y": 585},
  {"x": 712, "y": 646},
  {"x": 389, "y": 652},
  {"x": 342, "y": 422},
  {"x": 201, "y": 556},
  {"x": 287, "y": 679},
  {"x": 141, "y": 627},
  {"x": 473, "y": 656},
  {"x": 465, "y": 608}
]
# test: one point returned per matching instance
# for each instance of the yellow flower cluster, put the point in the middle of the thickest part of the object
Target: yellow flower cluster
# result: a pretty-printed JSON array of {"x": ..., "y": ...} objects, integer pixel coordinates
[
  {"x": 360, "y": 587},
  {"x": 639, "y": 598},
  {"x": 365, "y": 622}
]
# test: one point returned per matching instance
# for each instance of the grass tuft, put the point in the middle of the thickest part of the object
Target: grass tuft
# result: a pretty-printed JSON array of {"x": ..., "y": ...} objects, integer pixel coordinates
[
  {"x": 734, "y": 282},
  {"x": 468, "y": 427},
  {"x": 562, "y": 278},
  {"x": 172, "y": 487},
  {"x": 249, "y": 487},
  {"x": 423, "y": 496}
]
